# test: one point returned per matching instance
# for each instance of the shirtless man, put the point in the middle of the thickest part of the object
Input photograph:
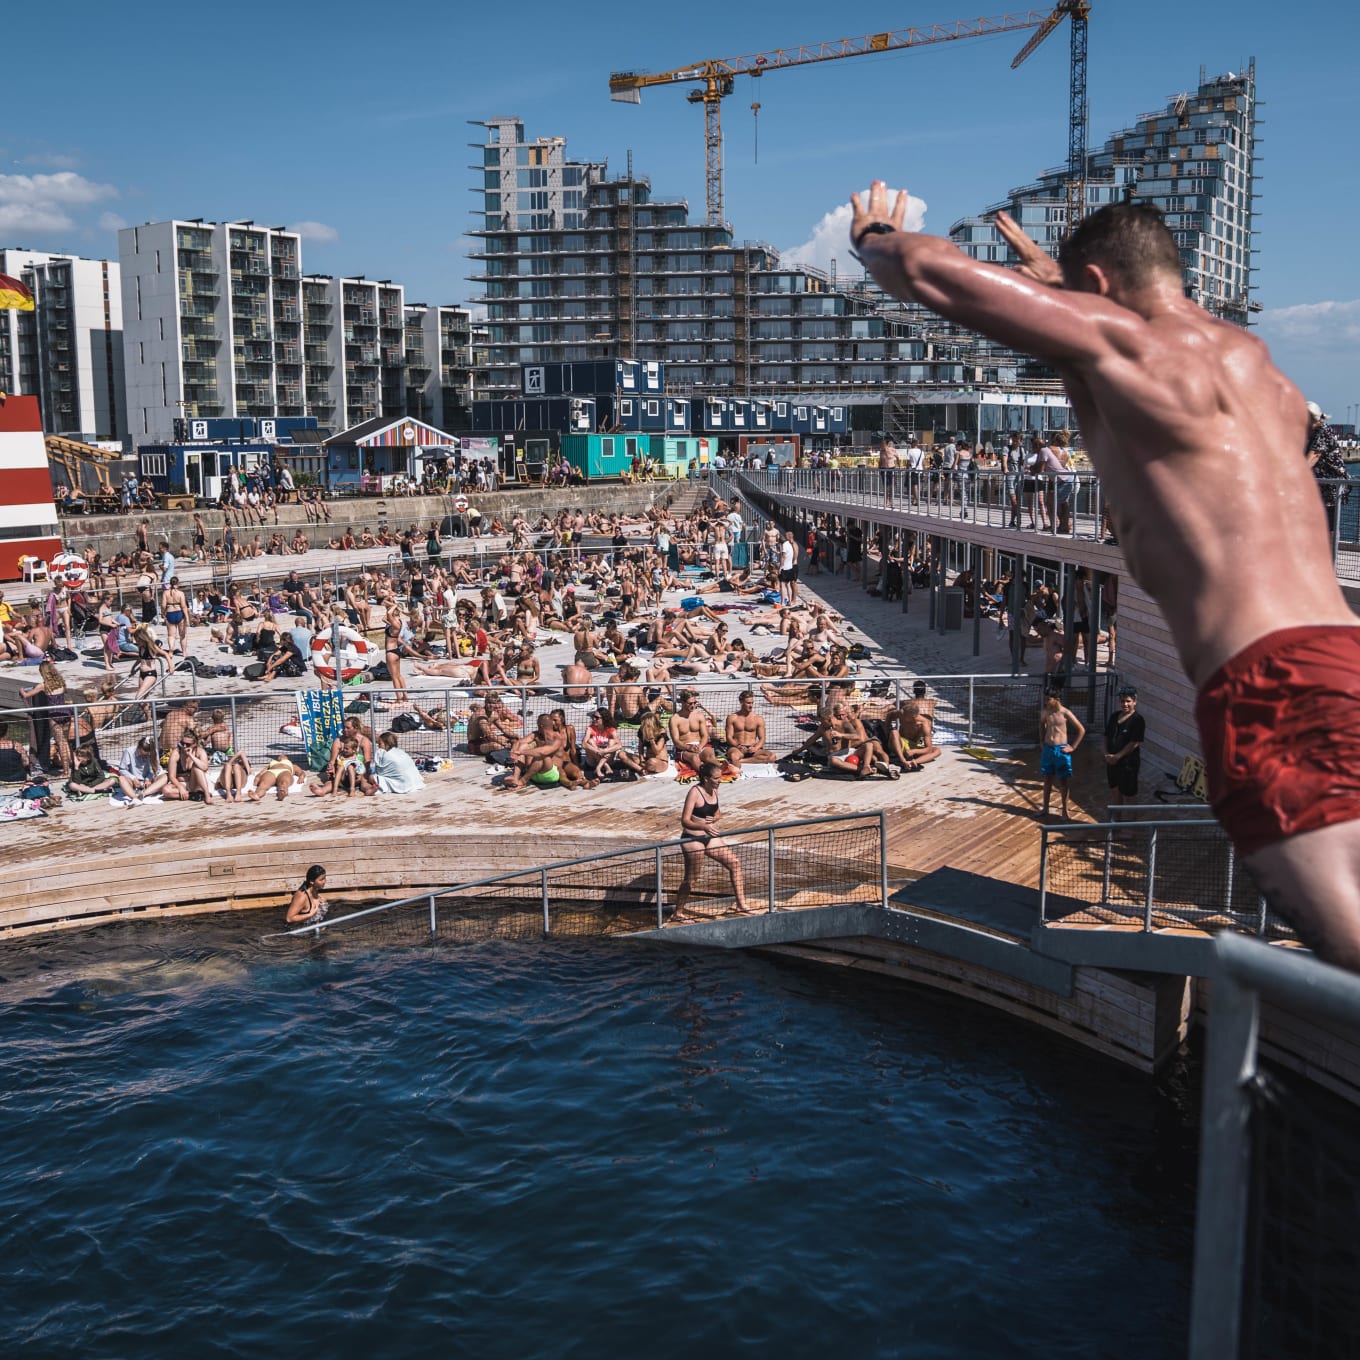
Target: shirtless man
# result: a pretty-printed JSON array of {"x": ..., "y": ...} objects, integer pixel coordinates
[
  {"x": 537, "y": 757},
  {"x": 1056, "y": 724},
  {"x": 691, "y": 731},
  {"x": 911, "y": 739},
  {"x": 745, "y": 733},
  {"x": 625, "y": 696},
  {"x": 576, "y": 681},
  {"x": 1198, "y": 440}
]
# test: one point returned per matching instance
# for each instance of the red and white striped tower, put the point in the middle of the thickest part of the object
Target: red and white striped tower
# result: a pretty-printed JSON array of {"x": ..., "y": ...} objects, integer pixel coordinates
[{"x": 28, "y": 518}]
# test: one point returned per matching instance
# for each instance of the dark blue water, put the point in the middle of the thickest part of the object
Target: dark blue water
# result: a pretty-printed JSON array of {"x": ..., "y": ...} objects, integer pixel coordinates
[{"x": 210, "y": 1147}]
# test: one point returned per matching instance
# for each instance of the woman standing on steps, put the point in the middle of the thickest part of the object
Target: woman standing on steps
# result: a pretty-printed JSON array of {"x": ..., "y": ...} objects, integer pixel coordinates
[{"x": 698, "y": 830}]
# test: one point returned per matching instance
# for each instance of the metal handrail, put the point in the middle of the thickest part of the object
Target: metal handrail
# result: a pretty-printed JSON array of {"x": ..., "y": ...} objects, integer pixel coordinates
[
  {"x": 981, "y": 496},
  {"x": 1246, "y": 972},
  {"x": 1154, "y": 829},
  {"x": 656, "y": 847}
]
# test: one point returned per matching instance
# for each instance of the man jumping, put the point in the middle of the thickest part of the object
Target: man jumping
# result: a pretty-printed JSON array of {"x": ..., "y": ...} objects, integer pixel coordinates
[{"x": 1198, "y": 439}]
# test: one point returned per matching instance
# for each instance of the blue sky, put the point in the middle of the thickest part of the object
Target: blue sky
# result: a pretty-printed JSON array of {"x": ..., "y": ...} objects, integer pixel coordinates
[{"x": 355, "y": 124}]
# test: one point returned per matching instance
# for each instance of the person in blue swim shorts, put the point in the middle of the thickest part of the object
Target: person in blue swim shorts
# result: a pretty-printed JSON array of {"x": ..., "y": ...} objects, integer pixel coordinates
[{"x": 1056, "y": 728}]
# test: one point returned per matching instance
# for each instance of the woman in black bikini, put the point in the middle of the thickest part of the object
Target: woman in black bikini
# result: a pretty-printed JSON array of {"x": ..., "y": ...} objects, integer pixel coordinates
[
  {"x": 149, "y": 652},
  {"x": 392, "y": 649},
  {"x": 698, "y": 831},
  {"x": 307, "y": 907}
]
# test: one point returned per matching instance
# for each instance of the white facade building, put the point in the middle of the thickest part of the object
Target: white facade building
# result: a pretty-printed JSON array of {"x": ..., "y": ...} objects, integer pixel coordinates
[{"x": 68, "y": 351}]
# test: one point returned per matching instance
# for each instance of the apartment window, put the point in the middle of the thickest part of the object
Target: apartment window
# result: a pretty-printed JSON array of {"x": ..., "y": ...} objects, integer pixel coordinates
[
  {"x": 653, "y": 408},
  {"x": 625, "y": 406}
]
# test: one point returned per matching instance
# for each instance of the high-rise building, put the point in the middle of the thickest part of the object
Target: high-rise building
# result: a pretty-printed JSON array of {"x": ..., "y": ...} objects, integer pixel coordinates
[
  {"x": 1194, "y": 158},
  {"x": 213, "y": 322},
  {"x": 68, "y": 351}
]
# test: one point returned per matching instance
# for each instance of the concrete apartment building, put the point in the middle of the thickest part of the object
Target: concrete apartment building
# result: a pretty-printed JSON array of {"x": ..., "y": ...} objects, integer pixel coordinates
[
  {"x": 68, "y": 351},
  {"x": 213, "y": 323}
]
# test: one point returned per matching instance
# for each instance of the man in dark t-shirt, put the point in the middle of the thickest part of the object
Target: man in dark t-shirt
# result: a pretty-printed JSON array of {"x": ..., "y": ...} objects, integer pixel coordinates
[{"x": 1124, "y": 735}]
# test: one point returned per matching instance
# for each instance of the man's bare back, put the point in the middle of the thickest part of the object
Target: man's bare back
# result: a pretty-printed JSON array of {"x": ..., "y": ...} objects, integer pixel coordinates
[
  {"x": 1198, "y": 438},
  {"x": 1199, "y": 442}
]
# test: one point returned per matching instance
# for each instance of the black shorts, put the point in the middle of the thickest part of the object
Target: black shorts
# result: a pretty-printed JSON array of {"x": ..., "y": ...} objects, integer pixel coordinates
[
  {"x": 789, "y": 576},
  {"x": 1123, "y": 775}
]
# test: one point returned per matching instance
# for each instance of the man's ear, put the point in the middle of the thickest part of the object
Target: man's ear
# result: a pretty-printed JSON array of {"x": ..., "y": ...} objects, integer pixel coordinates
[{"x": 1095, "y": 280}]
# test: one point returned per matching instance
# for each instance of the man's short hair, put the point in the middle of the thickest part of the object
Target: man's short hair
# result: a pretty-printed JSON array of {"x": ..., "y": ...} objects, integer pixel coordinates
[{"x": 1129, "y": 241}]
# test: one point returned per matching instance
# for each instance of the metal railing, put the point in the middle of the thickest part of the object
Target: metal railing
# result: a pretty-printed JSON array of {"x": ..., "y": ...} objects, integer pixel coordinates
[
  {"x": 1073, "y": 502},
  {"x": 814, "y": 861},
  {"x": 985, "y": 711},
  {"x": 1165, "y": 874},
  {"x": 1276, "y": 1256}
]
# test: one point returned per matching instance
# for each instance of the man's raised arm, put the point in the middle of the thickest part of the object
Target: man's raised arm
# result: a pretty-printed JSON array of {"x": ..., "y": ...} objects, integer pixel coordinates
[{"x": 1065, "y": 327}]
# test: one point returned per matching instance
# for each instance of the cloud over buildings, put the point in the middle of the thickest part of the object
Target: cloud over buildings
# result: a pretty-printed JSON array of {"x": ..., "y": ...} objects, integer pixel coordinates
[
  {"x": 315, "y": 231},
  {"x": 47, "y": 203},
  {"x": 830, "y": 239}
]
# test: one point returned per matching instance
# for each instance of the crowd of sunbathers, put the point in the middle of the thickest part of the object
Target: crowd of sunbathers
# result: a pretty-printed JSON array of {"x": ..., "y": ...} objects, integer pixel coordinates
[{"x": 484, "y": 629}]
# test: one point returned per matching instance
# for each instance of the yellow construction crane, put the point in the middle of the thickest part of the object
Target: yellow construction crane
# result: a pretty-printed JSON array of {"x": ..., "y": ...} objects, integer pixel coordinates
[
  {"x": 716, "y": 78},
  {"x": 1078, "y": 11}
]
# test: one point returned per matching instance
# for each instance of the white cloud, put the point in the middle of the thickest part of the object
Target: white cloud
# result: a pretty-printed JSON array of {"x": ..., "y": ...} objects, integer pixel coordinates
[
  {"x": 1318, "y": 345},
  {"x": 110, "y": 221},
  {"x": 42, "y": 203},
  {"x": 830, "y": 239},
  {"x": 1325, "y": 324},
  {"x": 315, "y": 231}
]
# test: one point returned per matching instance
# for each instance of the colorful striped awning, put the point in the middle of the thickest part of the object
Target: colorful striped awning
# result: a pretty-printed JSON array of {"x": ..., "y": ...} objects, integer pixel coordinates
[{"x": 14, "y": 296}]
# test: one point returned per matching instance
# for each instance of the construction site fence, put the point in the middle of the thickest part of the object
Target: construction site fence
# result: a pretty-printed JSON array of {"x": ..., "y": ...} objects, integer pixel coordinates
[
  {"x": 1173, "y": 872},
  {"x": 1276, "y": 1252},
  {"x": 975, "y": 711},
  {"x": 1072, "y": 505},
  {"x": 783, "y": 866}
]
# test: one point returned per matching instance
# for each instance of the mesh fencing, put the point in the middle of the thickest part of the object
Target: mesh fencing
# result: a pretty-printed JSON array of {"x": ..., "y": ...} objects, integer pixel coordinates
[
  {"x": 1303, "y": 1252},
  {"x": 784, "y": 868},
  {"x": 987, "y": 711},
  {"x": 1154, "y": 875}
]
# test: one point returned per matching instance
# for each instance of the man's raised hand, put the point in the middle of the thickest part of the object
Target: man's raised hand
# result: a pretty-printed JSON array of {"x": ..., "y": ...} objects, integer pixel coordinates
[
  {"x": 877, "y": 210},
  {"x": 1034, "y": 262}
]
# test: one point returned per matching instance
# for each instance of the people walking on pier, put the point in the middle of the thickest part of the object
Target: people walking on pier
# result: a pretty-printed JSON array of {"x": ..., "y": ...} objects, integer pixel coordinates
[
  {"x": 1196, "y": 436},
  {"x": 699, "y": 819}
]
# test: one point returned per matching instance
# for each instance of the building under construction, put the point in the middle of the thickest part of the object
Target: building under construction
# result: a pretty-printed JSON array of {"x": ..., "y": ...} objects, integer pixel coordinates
[{"x": 577, "y": 263}]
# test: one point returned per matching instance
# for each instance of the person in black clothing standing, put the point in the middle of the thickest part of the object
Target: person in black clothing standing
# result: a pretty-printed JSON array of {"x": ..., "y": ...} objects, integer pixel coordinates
[{"x": 1124, "y": 735}]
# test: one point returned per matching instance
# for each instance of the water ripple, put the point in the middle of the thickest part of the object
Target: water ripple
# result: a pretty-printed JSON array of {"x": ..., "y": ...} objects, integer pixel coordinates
[{"x": 560, "y": 1149}]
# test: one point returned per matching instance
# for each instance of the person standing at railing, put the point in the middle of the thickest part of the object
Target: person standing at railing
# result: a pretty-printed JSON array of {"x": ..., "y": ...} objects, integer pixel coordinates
[
  {"x": 699, "y": 817},
  {"x": 1056, "y": 725},
  {"x": 1124, "y": 736},
  {"x": 1324, "y": 457}
]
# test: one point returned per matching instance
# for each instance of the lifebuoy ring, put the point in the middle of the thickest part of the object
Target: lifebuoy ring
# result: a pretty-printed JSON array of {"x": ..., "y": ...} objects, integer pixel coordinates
[
  {"x": 69, "y": 568},
  {"x": 356, "y": 655},
  {"x": 460, "y": 504}
]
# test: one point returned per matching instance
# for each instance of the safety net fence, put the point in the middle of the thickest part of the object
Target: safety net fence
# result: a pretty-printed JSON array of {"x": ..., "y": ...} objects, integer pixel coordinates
[
  {"x": 1154, "y": 875},
  {"x": 788, "y": 866},
  {"x": 986, "y": 711}
]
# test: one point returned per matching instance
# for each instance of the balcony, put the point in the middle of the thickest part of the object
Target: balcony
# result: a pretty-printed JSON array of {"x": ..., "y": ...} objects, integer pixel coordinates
[
  {"x": 194, "y": 307},
  {"x": 286, "y": 269},
  {"x": 286, "y": 312},
  {"x": 288, "y": 354}
]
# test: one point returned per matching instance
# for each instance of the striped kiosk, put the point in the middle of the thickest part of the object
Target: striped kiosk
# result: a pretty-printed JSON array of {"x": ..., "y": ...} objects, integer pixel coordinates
[{"x": 28, "y": 518}]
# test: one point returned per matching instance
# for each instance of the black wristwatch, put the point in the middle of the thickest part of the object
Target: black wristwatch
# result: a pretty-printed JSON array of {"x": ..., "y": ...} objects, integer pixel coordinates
[{"x": 873, "y": 229}]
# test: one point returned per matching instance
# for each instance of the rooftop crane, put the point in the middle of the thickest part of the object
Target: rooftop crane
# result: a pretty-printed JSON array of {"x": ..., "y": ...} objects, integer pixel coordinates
[
  {"x": 1078, "y": 11},
  {"x": 717, "y": 78}
]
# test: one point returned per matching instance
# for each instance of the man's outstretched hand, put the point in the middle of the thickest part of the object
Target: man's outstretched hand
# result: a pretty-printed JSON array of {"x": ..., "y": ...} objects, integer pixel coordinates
[
  {"x": 877, "y": 210},
  {"x": 1035, "y": 263}
]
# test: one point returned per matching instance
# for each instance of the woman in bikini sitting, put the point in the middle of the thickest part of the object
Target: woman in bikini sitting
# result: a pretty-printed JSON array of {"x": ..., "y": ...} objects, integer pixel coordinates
[{"x": 699, "y": 819}]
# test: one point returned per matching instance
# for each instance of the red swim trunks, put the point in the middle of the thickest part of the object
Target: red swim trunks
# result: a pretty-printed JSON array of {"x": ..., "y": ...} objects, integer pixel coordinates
[{"x": 1279, "y": 726}]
